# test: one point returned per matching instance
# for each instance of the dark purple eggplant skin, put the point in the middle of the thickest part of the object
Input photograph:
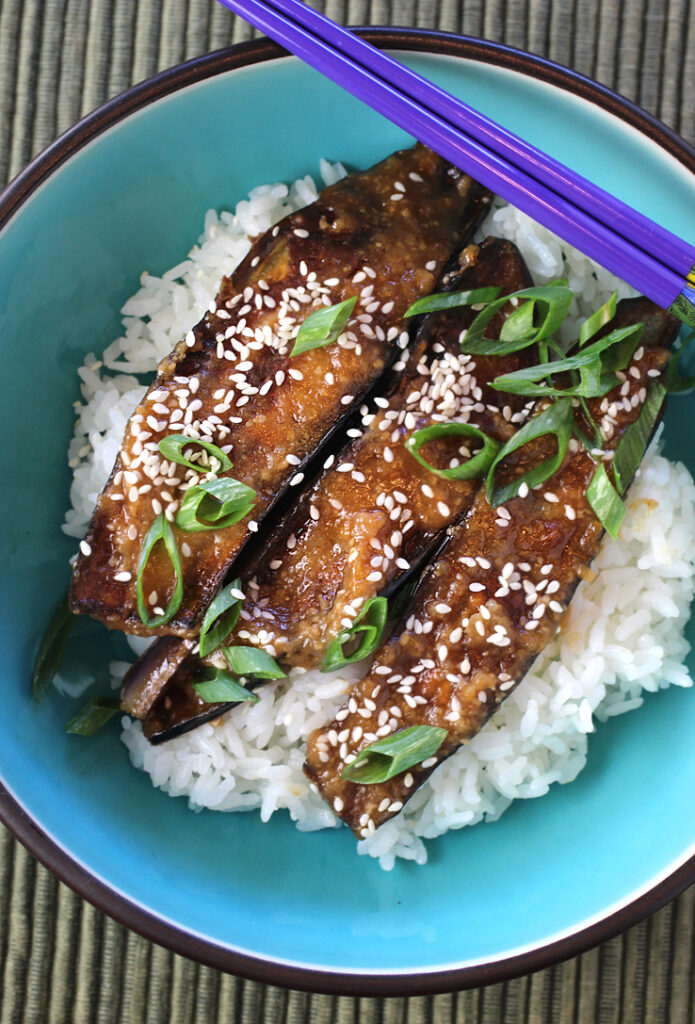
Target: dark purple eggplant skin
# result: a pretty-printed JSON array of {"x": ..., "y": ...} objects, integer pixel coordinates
[
  {"x": 152, "y": 671},
  {"x": 305, "y": 593},
  {"x": 382, "y": 237}
]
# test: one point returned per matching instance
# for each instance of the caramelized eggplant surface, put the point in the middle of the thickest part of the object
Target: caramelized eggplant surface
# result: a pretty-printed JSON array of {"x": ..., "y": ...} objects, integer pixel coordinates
[
  {"x": 488, "y": 605},
  {"x": 382, "y": 237},
  {"x": 375, "y": 512}
]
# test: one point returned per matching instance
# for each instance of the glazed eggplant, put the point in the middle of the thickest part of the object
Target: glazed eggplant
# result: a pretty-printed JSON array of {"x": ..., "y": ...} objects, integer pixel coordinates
[
  {"x": 375, "y": 512},
  {"x": 490, "y": 602},
  {"x": 382, "y": 237}
]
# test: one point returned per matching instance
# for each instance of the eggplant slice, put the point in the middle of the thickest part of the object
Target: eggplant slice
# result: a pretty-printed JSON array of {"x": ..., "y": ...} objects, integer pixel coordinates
[
  {"x": 382, "y": 236},
  {"x": 487, "y": 606},
  {"x": 375, "y": 513}
]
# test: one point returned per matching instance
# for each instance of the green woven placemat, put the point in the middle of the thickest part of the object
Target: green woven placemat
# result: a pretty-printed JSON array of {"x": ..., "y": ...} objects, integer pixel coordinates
[{"x": 61, "y": 960}]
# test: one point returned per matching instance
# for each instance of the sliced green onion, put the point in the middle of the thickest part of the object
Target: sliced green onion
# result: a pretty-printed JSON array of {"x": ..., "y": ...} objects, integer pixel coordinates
[
  {"x": 598, "y": 440},
  {"x": 589, "y": 357},
  {"x": 371, "y": 623},
  {"x": 605, "y": 501},
  {"x": 518, "y": 325},
  {"x": 676, "y": 383},
  {"x": 594, "y": 384},
  {"x": 160, "y": 530},
  {"x": 477, "y": 465},
  {"x": 172, "y": 447},
  {"x": 450, "y": 300},
  {"x": 550, "y": 305},
  {"x": 323, "y": 326},
  {"x": 220, "y": 618},
  {"x": 558, "y": 420},
  {"x": 393, "y": 755},
  {"x": 597, "y": 320},
  {"x": 622, "y": 348},
  {"x": 50, "y": 652},
  {"x": 95, "y": 714},
  {"x": 250, "y": 661},
  {"x": 633, "y": 443},
  {"x": 594, "y": 381},
  {"x": 222, "y": 688},
  {"x": 214, "y": 505}
]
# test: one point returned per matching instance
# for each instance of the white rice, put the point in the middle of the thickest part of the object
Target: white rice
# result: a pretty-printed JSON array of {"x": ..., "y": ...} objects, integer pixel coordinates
[{"x": 623, "y": 635}]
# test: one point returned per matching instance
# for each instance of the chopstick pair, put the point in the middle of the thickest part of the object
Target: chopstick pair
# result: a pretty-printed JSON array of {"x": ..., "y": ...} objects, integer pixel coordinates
[{"x": 653, "y": 260}]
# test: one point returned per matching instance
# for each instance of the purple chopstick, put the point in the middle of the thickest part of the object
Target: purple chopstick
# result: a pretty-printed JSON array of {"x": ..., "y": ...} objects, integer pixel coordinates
[
  {"x": 595, "y": 201},
  {"x": 564, "y": 202}
]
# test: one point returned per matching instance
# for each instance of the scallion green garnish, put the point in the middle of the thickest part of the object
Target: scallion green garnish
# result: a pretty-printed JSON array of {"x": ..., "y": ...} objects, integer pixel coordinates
[
  {"x": 220, "y": 618},
  {"x": 323, "y": 326},
  {"x": 160, "y": 530},
  {"x": 222, "y": 688},
  {"x": 370, "y": 623},
  {"x": 393, "y": 755},
  {"x": 595, "y": 382},
  {"x": 518, "y": 325},
  {"x": 50, "y": 652},
  {"x": 605, "y": 501},
  {"x": 475, "y": 466},
  {"x": 450, "y": 300},
  {"x": 252, "y": 662},
  {"x": 633, "y": 443},
  {"x": 558, "y": 420},
  {"x": 95, "y": 714},
  {"x": 214, "y": 505},
  {"x": 593, "y": 324},
  {"x": 172, "y": 447},
  {"x": 549, "y": 307}
]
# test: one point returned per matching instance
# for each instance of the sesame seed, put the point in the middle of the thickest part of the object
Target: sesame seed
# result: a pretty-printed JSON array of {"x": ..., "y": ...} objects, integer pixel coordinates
[{"x": 443, "y": 508}]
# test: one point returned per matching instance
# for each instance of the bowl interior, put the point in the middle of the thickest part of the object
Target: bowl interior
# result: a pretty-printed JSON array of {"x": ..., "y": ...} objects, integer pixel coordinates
[{"x": 133, "y": 199}]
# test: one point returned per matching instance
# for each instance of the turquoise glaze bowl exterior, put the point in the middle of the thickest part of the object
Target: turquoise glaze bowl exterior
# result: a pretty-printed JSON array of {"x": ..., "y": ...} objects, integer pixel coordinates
[{"x": 128, "y": 191}]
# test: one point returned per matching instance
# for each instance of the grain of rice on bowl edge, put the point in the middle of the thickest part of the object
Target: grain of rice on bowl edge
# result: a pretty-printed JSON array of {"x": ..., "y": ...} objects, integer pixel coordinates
[{"x": 623, "y": 634}]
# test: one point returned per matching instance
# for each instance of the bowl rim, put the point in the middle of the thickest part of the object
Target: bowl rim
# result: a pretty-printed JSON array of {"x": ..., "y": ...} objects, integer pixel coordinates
[{"x": 29, "y": 832}]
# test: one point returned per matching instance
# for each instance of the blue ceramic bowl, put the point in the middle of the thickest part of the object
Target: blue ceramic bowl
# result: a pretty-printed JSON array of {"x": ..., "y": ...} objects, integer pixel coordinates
[{"x": 127, "y": 190}]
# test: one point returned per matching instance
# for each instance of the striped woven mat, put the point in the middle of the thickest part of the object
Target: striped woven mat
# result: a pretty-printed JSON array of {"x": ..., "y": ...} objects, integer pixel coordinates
[{"x": 63, "y": 961}]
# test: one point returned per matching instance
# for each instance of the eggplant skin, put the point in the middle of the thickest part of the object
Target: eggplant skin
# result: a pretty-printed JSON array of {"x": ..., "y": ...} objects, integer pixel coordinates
[
  {"x": 382, "y": 236},
  {"x": 486, "y": 608},
  {"x": 317, "y": 568},
  {"x": 178, "y": 708}
]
